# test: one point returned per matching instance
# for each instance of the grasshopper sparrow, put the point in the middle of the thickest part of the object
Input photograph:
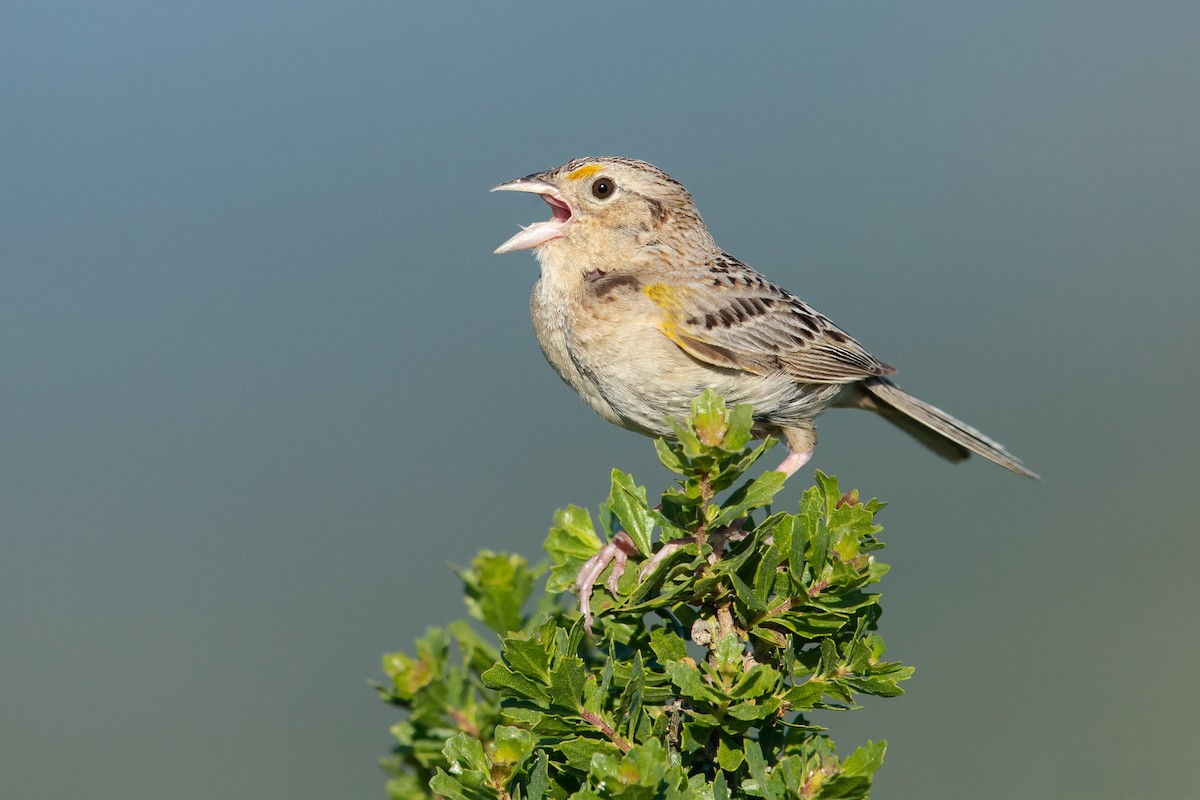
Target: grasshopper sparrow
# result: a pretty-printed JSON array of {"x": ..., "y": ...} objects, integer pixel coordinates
[{"x": 639, "y": 311}]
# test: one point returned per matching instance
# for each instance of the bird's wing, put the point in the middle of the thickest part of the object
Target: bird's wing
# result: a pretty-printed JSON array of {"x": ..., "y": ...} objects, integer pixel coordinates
[{"x": 731, "y": 316}]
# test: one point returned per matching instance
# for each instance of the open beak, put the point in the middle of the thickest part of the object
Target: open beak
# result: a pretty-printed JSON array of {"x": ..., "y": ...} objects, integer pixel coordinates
[{"x": 539, "y": 232}]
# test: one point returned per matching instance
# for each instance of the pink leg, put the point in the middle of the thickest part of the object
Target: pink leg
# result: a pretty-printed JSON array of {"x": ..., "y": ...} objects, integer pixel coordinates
[{"x": 793, "y": 462}]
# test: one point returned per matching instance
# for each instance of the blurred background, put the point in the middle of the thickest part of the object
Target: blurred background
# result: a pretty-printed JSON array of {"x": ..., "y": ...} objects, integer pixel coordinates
[{"x": 262, "y": 380}]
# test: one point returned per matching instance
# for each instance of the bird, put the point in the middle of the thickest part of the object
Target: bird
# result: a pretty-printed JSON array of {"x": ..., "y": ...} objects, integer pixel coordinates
[{"x": 638, "y": 310}]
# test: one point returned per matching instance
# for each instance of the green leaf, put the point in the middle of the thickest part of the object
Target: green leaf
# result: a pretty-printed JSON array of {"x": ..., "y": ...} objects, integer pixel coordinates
[
  {"x": 728, "y": 655},
  {"x": 799, "y": 570},
  {"x": 630, "y": 705},
  {"x": 594, "y": 695},
  {"x": 720, "y": 787},
  {"x": 778, "y": 528},
  {"x": 580, "y": 750},
  {"x": 669, "y": 457},
  {"x": 758, "y": 771},
  {"x": 408, "y": 675},
  {"x": 667, "y": 645},
  {"x": 566, "y": 683},
  {"x": 530, "y": 656},
  {"x": 754, "y": 711},
  {"x": 755, "y": 494},
  {"x": 539, "y": 779},
  {"x": 737, "y": 465},
  {"x": 709, "y": 418},
  {"x": 606, "y": 672},
  {"x": 477, "y": 654},
  {"x": 465, "y": 753},
  {"x": 511, "y": 746},
  {"x": 829, "y": 491},
  {"x": 805, "y": 696},
  {"x": 879, "y": 687},
  {"x": 765, "y": 575},
  {"x": 670, "y": 530},
  {"x": 746, "y": 595},
  {"x": 729, "y": 753},
  {"x": 501, "y": 677},
  {"x": 741, "y": 422},
  {"x": 812, "y": 508},
  {"x": 572, "y": 541},
  {"x": 628, "y": 503},
  {"x": 689, "y": 443},
  {"x": 818, "y": 552},
  {"x": 865, "y": 760},
  {"x": 809, "y": 624},
  {"x": 448, "y": 787},
  {"x": 688, "y": 679},
  {"x": 760, "y": 680},
  {"x": 829, "y": 658},
  {"x": 525, "y": 717},
  {"x": 497, "y": 586},
  {"x": 573, "y": 637},
  {"x": 695, "y": 736}
]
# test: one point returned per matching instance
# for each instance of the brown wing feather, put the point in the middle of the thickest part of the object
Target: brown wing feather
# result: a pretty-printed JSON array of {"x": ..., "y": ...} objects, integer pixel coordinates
[{"x": 734, "y": 317}]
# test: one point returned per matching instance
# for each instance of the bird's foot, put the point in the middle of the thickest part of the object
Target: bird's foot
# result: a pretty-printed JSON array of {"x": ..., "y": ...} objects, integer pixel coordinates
[{"x": 617, "y": 553}]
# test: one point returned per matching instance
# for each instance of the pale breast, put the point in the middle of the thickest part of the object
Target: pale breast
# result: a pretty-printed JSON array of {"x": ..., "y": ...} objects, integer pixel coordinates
[{"x": 548, "y": 310}]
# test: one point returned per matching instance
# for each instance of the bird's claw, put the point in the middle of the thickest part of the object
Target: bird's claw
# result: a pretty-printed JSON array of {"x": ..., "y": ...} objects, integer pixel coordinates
[
  {"x": 668, "y": 549},
  {"x": 617, "y": 553}
]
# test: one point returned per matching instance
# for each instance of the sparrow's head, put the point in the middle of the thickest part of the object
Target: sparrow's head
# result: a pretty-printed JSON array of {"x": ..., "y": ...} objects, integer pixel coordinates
[{"x": 619, "y": 207}]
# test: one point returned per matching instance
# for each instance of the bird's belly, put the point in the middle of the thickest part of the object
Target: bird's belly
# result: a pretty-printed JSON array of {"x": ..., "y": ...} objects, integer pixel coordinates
[
  {"x": 631, "y": 374},
  {"x": 644, "y": 378},
  {"x": 643, "y": 387}
]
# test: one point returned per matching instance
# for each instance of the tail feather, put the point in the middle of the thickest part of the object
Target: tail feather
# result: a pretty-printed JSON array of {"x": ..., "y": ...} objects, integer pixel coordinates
[{"x": 934, "y": 428}]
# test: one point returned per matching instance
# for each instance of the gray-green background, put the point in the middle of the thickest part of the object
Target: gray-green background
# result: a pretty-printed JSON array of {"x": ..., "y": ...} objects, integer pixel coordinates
[{"x": 261, "y": 378}]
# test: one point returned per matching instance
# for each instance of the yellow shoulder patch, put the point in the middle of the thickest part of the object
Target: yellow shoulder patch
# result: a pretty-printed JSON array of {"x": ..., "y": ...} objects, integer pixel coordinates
[
  {"x": 586, "y": 171},
  {"x": 664, "y": 296},
  {"x": 671, "y": 300},
  {"x": 667, "y": 298}
]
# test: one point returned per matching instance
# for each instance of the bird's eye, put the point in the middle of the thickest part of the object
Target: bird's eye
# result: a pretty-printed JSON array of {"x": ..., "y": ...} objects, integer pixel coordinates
[{"x": 602, "y": 188}]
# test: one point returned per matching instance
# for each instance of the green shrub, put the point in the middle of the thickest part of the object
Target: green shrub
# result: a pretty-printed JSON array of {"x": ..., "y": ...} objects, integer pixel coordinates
[{"x": 697, "y": 678}]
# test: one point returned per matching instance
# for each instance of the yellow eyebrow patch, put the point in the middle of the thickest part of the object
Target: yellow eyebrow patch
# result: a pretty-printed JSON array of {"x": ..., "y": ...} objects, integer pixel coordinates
[{"x": 586, "y": 171}]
